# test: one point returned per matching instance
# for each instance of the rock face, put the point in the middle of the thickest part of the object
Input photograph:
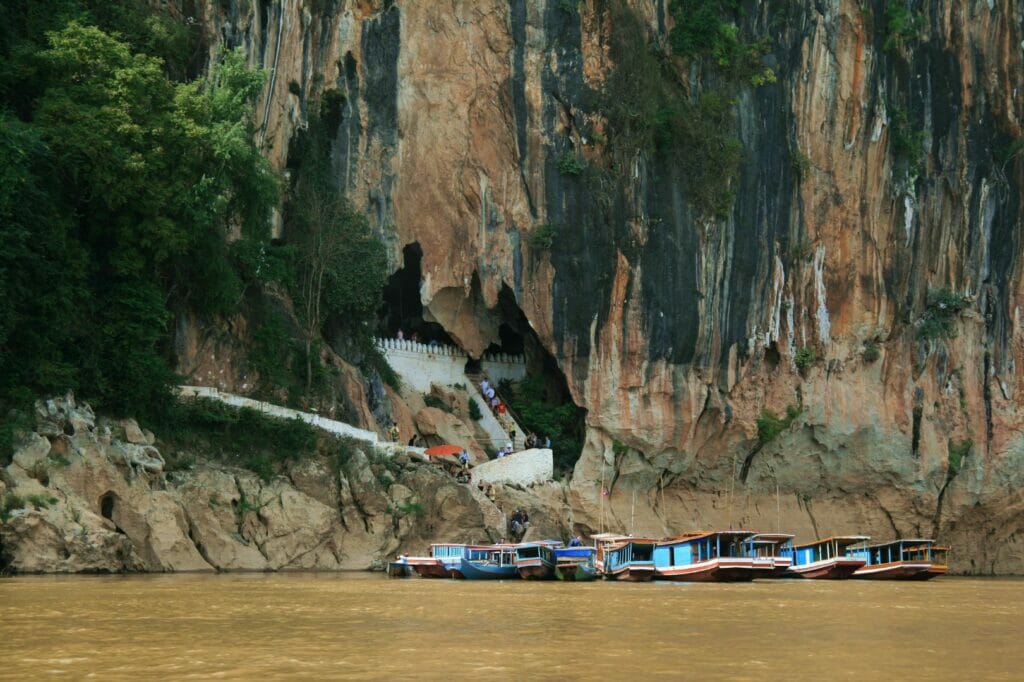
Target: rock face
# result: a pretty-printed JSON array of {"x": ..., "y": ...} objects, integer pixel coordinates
[
  {"x": 677, "y": 332},
  {"x": 88, "y": 508}
]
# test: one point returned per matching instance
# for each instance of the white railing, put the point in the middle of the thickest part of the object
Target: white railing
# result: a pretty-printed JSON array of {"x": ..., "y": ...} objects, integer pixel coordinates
[
  {"x": 329, "y": 425},
  {"x": 410, "y": 346}
]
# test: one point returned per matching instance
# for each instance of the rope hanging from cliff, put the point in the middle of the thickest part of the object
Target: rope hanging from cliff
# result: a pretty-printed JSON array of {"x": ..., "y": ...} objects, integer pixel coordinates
[{"x": 732, "y": 486}]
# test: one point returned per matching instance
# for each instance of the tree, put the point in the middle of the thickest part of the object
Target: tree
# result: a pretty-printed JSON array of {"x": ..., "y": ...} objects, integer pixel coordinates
[
  {"x": 341, "y": 266},
  {"x": 119, "y": 189}
]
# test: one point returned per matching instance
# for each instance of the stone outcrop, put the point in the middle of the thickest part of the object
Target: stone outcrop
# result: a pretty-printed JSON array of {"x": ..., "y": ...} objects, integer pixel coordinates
[
  {"x": 88, "y": 508},
  {"x": 677, "y": 332}
]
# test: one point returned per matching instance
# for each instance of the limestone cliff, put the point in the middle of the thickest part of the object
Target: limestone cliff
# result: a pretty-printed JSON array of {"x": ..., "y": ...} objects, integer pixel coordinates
[{"x": 874, "y": 174}]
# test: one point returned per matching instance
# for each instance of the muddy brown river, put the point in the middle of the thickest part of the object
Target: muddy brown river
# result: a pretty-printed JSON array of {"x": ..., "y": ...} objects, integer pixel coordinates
[{"x": 364, "y": 626}]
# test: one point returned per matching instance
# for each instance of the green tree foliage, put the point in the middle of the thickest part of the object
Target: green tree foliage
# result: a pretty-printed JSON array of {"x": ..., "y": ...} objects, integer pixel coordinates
[
  {"x": 705, "y": 30},
  {"x": 650, "y": 112},
  {"x": 341, "y": 266},
  {"x": 539, "y": 412},
  {"x": 120, "y": 186},
  {"x": 938, "y": 320},
  {"x": 770, "y": 425}
]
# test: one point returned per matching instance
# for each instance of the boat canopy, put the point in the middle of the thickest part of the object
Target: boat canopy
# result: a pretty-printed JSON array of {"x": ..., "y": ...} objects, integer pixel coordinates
[{"x": 840, "y": 540}]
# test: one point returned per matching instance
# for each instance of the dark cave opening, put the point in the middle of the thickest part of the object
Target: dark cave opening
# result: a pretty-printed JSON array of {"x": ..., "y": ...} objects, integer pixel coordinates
[
  {"x": 402, "y": 310},
  {"x": 541, "y": 401}
]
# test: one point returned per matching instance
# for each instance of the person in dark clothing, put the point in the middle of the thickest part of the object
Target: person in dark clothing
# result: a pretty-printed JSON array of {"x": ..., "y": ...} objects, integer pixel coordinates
[{"x": 576, "y": 542}]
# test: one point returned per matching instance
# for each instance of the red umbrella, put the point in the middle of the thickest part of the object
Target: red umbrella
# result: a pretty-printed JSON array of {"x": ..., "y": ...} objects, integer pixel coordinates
[{"x": 443, "y": 450}]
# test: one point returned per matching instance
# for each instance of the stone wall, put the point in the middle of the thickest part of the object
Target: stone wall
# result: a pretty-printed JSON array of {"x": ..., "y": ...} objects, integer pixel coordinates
[{"x": 521, "y": 468}]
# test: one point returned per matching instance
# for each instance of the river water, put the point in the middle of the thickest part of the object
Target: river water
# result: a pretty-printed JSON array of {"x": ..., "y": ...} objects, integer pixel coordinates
[{"x": 256, "y": 626}]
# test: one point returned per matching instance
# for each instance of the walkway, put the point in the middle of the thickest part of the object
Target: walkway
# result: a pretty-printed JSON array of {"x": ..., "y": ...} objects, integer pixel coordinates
[
  {"x": 420, "y": 365},
  {"x": 329, "y": 425}
]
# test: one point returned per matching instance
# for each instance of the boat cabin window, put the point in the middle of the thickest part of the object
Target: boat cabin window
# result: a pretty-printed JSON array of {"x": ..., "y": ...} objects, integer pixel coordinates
[
  {"x": 643, "y": 552},
  {"x": 528, "y": 552}
]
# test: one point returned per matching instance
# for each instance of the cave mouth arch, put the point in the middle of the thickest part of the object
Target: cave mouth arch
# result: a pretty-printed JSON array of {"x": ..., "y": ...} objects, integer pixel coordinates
[
  {"x": 108, "y": 504},
  {"x": 402, "y": 309}
]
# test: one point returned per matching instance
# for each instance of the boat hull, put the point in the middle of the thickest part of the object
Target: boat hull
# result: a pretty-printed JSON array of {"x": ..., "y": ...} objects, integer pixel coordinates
[
  {"x": 896, "y": 570},
  {"x": 434, "y": 568},
  {"x": 839, "y": 568},
  {"x": 932, "y": 571},
  {"x": 400, "y": 569},
  {"x": 633, "y": 574},
  {"x": 713, "y": 571},
  {"x": 475, "y": 571},
  {"x": 536, "y": 571},
  {"x": 575, "y": 573}
]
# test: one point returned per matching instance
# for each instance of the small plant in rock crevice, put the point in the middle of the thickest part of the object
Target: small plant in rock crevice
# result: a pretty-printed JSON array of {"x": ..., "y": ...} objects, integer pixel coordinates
[
  {"x": 569, "y": 164},
  {"x": 939, "y": 317},
  {"x": 871, "y": 351},
  {"x": 770, "y": 425},
  {"x": 804, "y": 358}
]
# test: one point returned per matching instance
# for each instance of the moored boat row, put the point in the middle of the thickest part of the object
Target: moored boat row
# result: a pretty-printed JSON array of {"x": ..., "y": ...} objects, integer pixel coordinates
[{"x": 711, "y": 556}]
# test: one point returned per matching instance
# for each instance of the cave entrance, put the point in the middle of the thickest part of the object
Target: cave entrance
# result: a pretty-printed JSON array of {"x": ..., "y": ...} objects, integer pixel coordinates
[
  {"x": 107, "y": 502},
  {"x": 540, "y": 400},
  {"x": 403, "y": 309}
]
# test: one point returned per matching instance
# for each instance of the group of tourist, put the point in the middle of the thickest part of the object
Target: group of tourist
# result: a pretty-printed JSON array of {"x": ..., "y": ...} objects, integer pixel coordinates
[
  {"x": 518, "y": 524},
  {"x": 500, "y": 411}
]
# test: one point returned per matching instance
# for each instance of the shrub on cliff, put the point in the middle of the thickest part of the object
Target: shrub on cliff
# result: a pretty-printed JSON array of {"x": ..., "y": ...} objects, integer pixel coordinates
[
  {"x": 770, "y": 425},
  {"x": 243, "y": 437},
  {"x": 804, "y": 358},
  {"x": 938, "y": 319}
]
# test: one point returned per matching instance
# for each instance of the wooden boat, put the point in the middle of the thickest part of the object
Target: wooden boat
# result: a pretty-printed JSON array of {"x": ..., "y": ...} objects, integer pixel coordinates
[
  {"x": 400, "y": 568},
  {"x": 903, "y": 559},
  {"x": 575, "y": 564},
  {"x": 710, "y": 556},
  {"x": 826, "y": 559},
  {"x": 488, "y": 562},
  {"x": 444, "y": 561},
  {"x": 940, "y": 564},
  {"x": 775, "y": 546},
  {"x": 620, "y": 557},
  {"x": 536, "y": 560}
]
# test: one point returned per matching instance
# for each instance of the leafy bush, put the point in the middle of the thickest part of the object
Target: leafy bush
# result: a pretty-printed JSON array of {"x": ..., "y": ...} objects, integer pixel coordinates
[
  {"x": 940, "y": 314},
  {"x": 957, "y": 453},
  {"x": 243, "y": 437},
  {"x": 871, "y": 351},
  {"x": 800, "y": 163},
  {"x": 561, "y": 421},
  {"x": 474, "y": 410},
  {"x": 770, "y": 425},
  {"x": 648, "y": 111},
  {"x": 906, "y": 142},
  {"x": 543, "y": 236},
  {"x": 431, "y": 400},
  {"x": 804, "y": 358},
  {"x": 9, "y": 504},
  {"x": 902, "y": 26},
  {"x": 569, "y": 164},
  {"x": 706, "y": 30},
  {"x": 40, "y": 501}
]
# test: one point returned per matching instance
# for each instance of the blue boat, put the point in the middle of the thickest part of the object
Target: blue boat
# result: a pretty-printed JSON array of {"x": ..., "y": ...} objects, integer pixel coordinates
[
  {"x": 775, "y": 546},
  {"x": 903, "y": 559},
  {"x": 826, "y": 559},
  {"x": 575, "y": 564},
  {"x": 536, "y": 560},
  {"x": 711, "y": 556},
  {"x": 620, "y": 557},
  {"x": 488, "y": 562}
]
